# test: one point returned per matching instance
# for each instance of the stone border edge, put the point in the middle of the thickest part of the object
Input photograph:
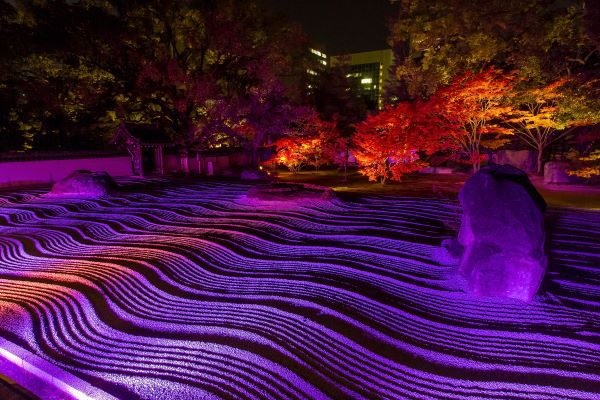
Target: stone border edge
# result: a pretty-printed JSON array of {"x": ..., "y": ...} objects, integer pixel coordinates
[{"x": 50, "y": 373}]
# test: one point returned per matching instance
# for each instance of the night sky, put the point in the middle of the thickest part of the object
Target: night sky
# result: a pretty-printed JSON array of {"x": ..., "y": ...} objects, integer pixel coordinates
[{"x": 341, "y": 26}]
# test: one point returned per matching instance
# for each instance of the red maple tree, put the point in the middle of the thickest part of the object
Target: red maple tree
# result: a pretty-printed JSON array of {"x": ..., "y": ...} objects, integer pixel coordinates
[
  {"x": 470, "y": 111},
  {"x": 394, "y": 142},
  {"x": 314, "y": 142},
  {"x": 292, "y": 153}
]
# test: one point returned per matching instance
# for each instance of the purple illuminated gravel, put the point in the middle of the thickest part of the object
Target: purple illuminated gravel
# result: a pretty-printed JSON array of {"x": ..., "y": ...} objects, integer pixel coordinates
[{"x": 193, "y": 291}]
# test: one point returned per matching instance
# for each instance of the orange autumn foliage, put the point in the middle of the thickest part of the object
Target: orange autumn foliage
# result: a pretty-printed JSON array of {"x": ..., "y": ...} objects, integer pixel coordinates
[
  {"x": 544, "y": 115},
  {"x": 393, "y": 142},
  {"x": 470, "y": 111},
  {"x": 314, "y": 144}
]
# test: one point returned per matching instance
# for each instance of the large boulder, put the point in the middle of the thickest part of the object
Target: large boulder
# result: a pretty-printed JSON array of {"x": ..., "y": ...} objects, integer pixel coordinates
[
  {"x": 84, "y": 183},
  {"x": 556, "y": 172},
  {"x": 502, "y": 233}
]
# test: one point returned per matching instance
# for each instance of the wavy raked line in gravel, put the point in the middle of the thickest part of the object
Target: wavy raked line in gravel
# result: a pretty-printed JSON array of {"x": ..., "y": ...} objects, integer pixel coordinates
[{"x": 195, "y": 291}]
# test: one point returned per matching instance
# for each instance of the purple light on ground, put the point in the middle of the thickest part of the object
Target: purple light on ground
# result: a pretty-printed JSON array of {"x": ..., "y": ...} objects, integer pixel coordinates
[{"x": 190, "y": 291}]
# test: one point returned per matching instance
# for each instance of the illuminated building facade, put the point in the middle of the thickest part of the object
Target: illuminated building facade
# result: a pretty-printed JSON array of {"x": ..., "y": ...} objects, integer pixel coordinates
[
  {"x": 318, "y": 62},
  {"x": 370, "y": 70}
]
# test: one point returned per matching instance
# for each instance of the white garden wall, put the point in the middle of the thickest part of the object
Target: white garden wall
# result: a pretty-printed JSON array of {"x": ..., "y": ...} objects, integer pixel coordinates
[{"x": 31, "y": 172}]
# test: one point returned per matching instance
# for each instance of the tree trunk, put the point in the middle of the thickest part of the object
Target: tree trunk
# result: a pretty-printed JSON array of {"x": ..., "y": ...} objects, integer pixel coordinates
[
  {"x": 254, "y": 151},
  {"x": 187, "y": 128},
  {"x": 346, "y": 156},
  {"x": 539, "y": 160},
  {"x": 475, "y": 161}
]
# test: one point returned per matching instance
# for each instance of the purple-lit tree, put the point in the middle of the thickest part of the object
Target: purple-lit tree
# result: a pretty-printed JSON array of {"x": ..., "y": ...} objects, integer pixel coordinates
[
  {"x": 208, "y": 71},
  {"x": 199, "y": 69}
]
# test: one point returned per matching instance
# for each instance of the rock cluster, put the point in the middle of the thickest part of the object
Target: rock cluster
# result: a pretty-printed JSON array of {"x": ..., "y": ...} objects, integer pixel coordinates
[
  {"x": 283, "y": 191},
  {"x": 254, "y": 175}
]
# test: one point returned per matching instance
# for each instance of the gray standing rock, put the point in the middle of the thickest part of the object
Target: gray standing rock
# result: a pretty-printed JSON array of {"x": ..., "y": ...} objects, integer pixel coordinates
[
  {"x": 522, "y": 159},
  {"x": 556, "y": 172},
  {"x": 502, "y": 232},
  {"x": 84, "y": 183}
]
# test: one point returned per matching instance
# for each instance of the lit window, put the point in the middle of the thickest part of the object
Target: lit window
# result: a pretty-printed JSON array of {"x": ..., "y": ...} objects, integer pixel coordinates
[
  {"x": 366, "y": 81},
  {"x": 323, "y": 62},
  {"x": 311, "y": 72},
  {"x": 316, "y": 52}
]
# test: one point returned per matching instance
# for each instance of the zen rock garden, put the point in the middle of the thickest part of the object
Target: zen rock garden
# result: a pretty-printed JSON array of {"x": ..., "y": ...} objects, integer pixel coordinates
[
  {"x": 500, "y": 244},
  {"x": 282, "y": 200}
]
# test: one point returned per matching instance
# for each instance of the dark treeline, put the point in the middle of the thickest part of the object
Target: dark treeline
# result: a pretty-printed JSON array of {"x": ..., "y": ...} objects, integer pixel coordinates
[{"x": 208, "y": 72}]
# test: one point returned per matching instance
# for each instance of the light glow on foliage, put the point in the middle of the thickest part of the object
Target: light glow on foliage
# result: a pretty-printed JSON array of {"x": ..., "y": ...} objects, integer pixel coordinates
[
  {"x": 544, "y": 115},
  {"x": 388, "y": 145},
  {"x": 471, "y": 110},
  {"x": 591, "y": 166},
  {"x": 315, "y": 143},
  {"x": 476, "y": 111}
]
